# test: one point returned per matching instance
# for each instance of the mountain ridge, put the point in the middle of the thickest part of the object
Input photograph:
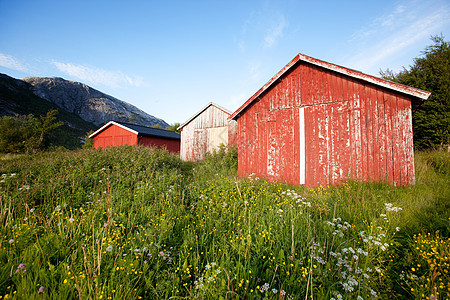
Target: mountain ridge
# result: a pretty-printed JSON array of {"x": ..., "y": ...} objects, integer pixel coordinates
[{"x": 90, "y": 104}]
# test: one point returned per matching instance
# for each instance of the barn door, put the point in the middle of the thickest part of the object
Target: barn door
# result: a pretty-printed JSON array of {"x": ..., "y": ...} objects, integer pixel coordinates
[
  {"x": 200, "y": 143},
  {"x": 281, "y": 149}
]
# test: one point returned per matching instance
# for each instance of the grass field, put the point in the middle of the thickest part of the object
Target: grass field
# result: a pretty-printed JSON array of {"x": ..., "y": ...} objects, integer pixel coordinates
[{"x": 137, "y": 223}]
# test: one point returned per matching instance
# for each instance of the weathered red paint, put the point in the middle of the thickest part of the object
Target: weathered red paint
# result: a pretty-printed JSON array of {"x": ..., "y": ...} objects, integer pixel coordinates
[
  {"x": 115, "y": 134},
  {"x": 316, "y": 123}
]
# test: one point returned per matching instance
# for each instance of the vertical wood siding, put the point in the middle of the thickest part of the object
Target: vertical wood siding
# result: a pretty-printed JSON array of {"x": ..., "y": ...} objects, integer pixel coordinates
[
  {"x": 205, "y": 133},
  {"x": 114, "y": 136},
  {"x": 317, "y": 127},
  {"x": 173, "y": 146}
]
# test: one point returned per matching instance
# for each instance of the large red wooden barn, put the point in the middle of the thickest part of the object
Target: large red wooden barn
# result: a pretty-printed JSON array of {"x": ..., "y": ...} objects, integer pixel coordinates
[
  {"x": 119, "y": 133},
  {"x": 206, "y": 131},
  {"x": 315, "y": 124}
]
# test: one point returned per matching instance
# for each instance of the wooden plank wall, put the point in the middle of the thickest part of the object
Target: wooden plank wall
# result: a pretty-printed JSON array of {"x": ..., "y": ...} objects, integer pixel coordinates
[
  {"x": 114, "y": 136},
  {"x": 352, "y": 130},
  {"x": 198, "y": 136}
]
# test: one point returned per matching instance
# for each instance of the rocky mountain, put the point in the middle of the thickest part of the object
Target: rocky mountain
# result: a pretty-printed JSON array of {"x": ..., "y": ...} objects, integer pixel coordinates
[
  {"x": 90, "y": 104},
  {"x": 17, "y": 98}
]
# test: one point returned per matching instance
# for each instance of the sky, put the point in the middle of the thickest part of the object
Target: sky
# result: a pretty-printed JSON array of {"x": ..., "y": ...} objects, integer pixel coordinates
[{"x": 171, "y": 58}]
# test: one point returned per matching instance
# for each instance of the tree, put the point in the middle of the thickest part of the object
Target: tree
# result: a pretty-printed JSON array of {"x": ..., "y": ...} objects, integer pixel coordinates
[
  {"x": 26, "y": 133},
  {"x": 174, "y": 127},
  {"x": 431, "y": 72}
]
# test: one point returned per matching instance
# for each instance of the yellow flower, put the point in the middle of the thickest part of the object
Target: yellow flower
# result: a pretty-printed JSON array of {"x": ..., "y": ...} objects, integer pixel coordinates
[{"x": 65, "y": 281}]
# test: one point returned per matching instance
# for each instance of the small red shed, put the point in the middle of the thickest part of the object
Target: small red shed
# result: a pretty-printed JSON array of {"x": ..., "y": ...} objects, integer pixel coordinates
[
  {"x": 315, "y": 124},
  {"x": 206, "y": 131},
  {"x": 120, "y": 133}
]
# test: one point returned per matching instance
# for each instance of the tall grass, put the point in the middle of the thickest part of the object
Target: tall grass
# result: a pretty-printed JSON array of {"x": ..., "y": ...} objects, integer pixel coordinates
[{"x": 138, "y": 223}]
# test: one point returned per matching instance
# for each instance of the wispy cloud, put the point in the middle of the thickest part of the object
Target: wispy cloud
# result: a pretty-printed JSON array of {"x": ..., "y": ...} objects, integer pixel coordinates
[
  {"x": 395, "y": 31},
  {"x": 12, "y": 63},
  {"x": 262, "y": 29},
  {"x": 275, "y": 31},
  {"x": 98, "y": 76}
]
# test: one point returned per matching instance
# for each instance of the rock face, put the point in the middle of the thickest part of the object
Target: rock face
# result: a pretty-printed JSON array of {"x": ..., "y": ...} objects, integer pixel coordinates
[{"x": 90, "y": 104}]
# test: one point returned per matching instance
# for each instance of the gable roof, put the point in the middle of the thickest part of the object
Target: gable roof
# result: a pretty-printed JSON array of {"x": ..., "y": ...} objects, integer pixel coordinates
[
  {"x": 141, "y": 130},
  {"x": 202, "y": 110},
  {"x": 404, "y": 89}
]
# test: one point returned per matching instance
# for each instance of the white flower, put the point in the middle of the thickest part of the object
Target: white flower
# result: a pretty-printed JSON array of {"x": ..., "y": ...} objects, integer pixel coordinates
[
  {"x": 264, "y": 288},
  {"x": 32, "y": 210},
  {"x": 71, "y": 220},
  {"x": 109, "y": 248},
  {"x": 11, "y": 241},
  {"x": 58, "y": 208},
  {"x": 274, "y": 291}
]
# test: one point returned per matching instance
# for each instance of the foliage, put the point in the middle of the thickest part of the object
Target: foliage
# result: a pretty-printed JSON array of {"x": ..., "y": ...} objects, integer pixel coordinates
[
  {"x": 431, "y": 121},
  {"x": 222, "y": 161},
  {"x": 88, "y": 142},
  {"x": 16, "y": 96},
  {"x": 134, "y": 222},
  {"x": 174, "y": 127},
  {"x": 26, "y": 133}
]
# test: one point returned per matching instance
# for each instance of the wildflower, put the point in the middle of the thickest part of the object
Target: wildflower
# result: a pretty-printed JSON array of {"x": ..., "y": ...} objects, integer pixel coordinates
[
  {"x": 283, "y": 293},
  {"x": 397, "y": 228},
  {"x": 71, "y": 220},
  {"x": 21, "y": 268},
  {"x": 41, "y": 289},
  {"x": 109, "y": 248},
  {"x": 264, "y": 288},
  {"x": 32, "y": 210},
  {"x": 58, "y": 208},
  {"x": 274, "y": 291},
  {"x": 11, "y": 241}
]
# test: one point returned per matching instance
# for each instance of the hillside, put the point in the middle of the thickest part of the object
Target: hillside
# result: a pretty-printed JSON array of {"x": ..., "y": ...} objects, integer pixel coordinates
[
  {"x": 16, "y": 97},
  {"x": 90, "y": 104}
]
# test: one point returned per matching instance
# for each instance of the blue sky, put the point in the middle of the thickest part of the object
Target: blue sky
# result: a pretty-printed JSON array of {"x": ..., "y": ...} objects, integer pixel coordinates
[{"x": 170, "y": 58}]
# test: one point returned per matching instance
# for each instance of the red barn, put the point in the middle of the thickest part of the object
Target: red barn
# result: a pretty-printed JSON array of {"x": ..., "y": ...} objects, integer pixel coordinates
[
  {"x": 119, "y": 133},
  {"x": 315, "y": 124},
  {"x": 206, "y": 131}
]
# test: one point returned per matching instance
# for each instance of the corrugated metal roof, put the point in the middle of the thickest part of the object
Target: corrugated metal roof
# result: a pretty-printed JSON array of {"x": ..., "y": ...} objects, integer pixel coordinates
[
  {"x": 202, "y": 110},
  {"x": 417, "y": 93},
  {"x": 142, "y": 130}
]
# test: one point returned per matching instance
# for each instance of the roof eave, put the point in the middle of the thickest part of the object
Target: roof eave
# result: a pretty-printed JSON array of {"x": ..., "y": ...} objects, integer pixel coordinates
[
  {"x": 109, "y": 124},
  {"x": 202, "y": 110},
  {"x": 417, "y": 93}
]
